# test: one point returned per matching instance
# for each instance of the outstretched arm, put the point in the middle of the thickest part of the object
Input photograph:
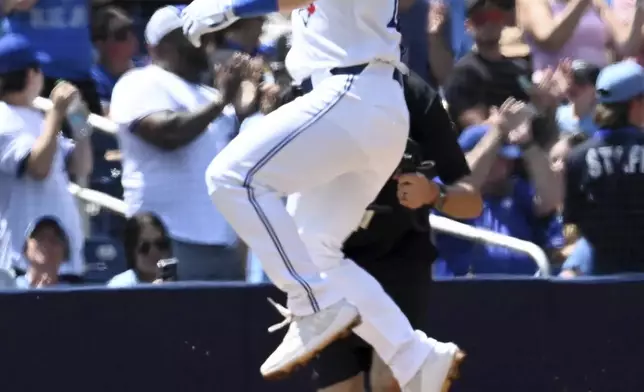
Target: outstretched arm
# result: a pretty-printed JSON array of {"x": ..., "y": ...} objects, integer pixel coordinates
[
  {"x": 250, "y": 8},
  {"x": 201, "y": 17}
]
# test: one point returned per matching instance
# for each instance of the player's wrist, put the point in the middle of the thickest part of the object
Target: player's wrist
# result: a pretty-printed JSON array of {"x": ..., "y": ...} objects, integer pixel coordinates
[{"x": 252, "y": 8}]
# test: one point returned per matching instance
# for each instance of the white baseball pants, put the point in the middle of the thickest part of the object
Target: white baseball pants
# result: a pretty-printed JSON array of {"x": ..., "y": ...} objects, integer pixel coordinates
[{"x": 332, "y": 149}]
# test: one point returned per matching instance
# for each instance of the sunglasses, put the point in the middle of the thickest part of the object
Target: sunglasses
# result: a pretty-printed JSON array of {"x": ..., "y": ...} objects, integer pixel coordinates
[
  {"x": 146, "y": 246},
  {"x": 486, "y": 16}
]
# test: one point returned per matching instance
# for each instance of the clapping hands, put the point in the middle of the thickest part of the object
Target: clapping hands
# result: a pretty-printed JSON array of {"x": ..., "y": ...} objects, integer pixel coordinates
[
  {"x": 511, "y": 114},
  {"x": 438, "y": 12},
  {"x": 230, "y": 75},
  {"x": 552, "y": 88},
  {"x": 240, "y": 82}
]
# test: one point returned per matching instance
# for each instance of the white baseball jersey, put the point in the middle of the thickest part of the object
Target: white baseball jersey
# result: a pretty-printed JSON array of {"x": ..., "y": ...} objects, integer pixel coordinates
[{"x": 341, "y": 33}]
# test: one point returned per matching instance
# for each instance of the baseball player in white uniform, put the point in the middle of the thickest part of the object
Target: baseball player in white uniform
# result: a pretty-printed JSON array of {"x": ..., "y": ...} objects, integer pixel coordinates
[{"x": 331, "y": 150}]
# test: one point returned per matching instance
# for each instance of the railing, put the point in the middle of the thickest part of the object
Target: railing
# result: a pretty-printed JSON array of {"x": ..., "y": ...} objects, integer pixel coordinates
[
  {"x": 98, "y": 122},
  {"x": 438, "y": 223},
  {"x": 457, "y": 229}
]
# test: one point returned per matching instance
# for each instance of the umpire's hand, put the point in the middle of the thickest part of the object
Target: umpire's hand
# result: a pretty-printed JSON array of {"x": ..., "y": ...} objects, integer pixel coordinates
[{"x": 415, "y": 190}]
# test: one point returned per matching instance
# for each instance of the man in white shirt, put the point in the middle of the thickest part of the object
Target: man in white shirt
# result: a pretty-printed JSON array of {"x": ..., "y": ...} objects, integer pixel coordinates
[
  {"x": 171, "y": 126},
  {"x": 7, "y": 275},
  {"x": 34, "y": 158}
]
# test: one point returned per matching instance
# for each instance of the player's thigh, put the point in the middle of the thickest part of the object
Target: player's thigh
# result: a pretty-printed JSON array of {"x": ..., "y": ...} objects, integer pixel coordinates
[
  {"x": 327, "y": 214},
  {"x": 341, "y": 365},
  {"x": 299, "y": 146}
]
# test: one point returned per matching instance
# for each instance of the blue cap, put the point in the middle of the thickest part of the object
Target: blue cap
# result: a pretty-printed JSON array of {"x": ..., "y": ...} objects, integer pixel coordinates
[
  {"x": 472, "y": 135},
  {"x": 51, "y": 221},
  {"x": 48, "y": 220},
  {"x": 16, "y": 53},
  {"x": 620, "y": 82}
]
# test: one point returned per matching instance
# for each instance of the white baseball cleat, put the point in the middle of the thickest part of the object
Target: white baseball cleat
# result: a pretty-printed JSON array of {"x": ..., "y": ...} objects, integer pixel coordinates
[
  {"x": 439, "y": 369},
  {"x": 307, "y": 336}
]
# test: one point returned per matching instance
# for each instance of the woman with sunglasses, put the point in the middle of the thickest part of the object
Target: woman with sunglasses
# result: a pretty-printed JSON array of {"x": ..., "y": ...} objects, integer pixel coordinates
[
  {"x": 146, "y": 242},
  {"x": 116, "y": 44}
]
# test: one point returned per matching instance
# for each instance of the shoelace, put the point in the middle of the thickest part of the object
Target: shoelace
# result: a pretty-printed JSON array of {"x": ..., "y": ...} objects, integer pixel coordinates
[{"x": 288, "y": 316}]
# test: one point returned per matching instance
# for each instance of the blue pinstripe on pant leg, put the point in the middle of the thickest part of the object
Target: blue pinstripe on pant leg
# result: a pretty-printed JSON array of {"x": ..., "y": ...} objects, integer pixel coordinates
[{"x": 251, "y": 192}]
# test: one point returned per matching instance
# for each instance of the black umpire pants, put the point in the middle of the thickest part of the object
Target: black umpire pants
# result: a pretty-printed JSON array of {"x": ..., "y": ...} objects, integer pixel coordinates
[{"x": 408, "y": 282}]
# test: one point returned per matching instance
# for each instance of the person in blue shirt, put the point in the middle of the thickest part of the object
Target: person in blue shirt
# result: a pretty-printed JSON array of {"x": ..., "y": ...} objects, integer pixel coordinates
[
  {"x": 580, "y": 261},
  {"x": 512, "y": 205},
  {"x": 60, "y": 28},
  {"x": 116, "y": 43},
  {"x": 605, "y": 175}
]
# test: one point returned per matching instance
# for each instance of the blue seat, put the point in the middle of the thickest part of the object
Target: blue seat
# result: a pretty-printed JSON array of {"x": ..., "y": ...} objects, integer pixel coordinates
[
  {"x": 104, "y": 258},
  {"x": 106, "y": 223}
]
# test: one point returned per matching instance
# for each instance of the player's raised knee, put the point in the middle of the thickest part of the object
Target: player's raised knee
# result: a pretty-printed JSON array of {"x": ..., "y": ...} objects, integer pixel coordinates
[{"x": 221, "y": 176}]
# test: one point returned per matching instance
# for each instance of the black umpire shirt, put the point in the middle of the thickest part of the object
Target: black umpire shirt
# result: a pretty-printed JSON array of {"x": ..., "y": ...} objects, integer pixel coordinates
[
  {"x": 605, "y": 198},
  {"x": 393, "y": 234}
]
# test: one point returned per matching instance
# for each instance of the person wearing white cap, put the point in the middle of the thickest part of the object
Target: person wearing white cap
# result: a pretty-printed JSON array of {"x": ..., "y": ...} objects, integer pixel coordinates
[{"x": 170, "y": 127}]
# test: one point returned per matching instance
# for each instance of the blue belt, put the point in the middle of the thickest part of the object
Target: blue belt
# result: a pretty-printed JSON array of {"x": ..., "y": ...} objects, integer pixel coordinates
[{"x": 307, "y": 85}]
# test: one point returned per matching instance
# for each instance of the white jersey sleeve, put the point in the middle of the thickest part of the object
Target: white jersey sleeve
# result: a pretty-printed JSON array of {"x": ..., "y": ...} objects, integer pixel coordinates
[
  {"x": 137, "y": 94},
  {"x": 15, "y": 143},
  {"x": 341, "y": 33}
]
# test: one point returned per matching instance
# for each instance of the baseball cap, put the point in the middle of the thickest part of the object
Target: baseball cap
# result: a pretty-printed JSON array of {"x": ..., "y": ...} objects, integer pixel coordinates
[
  {"x": 164, "y": 21},
  {"x": 620, "y": 82},
  {"x": 473, "y": 134},
  {"x": 47, "y": 221},
  {"x": 17, "y": 53}
]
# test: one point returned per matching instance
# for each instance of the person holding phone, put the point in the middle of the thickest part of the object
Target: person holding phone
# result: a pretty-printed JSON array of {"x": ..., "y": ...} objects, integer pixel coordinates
[{"x": 146, "y": 243}]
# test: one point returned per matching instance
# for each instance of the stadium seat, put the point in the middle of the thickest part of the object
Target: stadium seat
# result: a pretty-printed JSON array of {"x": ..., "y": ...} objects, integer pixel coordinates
[
  {"x": 104, "y": 258},
  {"x": 106, "y": 223}
]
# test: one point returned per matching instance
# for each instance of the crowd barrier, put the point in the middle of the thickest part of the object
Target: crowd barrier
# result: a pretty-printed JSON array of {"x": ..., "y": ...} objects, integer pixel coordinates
[
  {"x": 438, "y": 223},
  {"x": 531, "y": 335}
]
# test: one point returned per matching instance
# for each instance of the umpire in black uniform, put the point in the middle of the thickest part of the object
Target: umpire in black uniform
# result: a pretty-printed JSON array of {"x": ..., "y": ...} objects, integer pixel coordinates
[
  {"x": 393, "y": 242},
  {"x": 605, "y": 175}
]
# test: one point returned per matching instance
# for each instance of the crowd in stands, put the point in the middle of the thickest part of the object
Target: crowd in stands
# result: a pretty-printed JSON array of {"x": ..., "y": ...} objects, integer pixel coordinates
[{"x": 477, "y": 53}]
